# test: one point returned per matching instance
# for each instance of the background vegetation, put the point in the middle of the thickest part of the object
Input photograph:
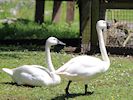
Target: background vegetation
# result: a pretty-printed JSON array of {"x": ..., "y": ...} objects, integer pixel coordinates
[
  {"x": 115, "y": 84},
  {"x": 26, "y": 28},
  {"x": 120, "y": 14}
]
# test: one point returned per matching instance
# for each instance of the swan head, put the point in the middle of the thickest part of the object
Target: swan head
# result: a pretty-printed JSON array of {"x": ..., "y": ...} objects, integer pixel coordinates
[
  {"x": 53, "y": 41},
  {"x": 102, "y": 24}
]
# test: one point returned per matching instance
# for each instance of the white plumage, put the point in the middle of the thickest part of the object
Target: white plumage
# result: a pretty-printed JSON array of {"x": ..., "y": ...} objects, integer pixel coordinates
[
  {"x": 84, "y": 68},
  {"x": 33, "y": 75},
  {"x": 36, "y": 75}
]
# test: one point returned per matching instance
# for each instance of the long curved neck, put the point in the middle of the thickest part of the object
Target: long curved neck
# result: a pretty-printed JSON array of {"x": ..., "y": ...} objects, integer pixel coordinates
[
  {"x": 102, "y": 46},
  {"x": 55, "y": 78},
  {"x": 48, "y": 58}
]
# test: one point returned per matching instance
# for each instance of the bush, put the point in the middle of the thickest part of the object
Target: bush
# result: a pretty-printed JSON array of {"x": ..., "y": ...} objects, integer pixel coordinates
[{"x": 26, "y": 29}]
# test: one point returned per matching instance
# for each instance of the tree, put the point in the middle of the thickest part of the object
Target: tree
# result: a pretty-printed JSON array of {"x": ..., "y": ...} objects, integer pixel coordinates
[
  {"x": 56, "y": 11},
  {"x": 39, "y": 11},
  {"x": 70, "y": 11}
]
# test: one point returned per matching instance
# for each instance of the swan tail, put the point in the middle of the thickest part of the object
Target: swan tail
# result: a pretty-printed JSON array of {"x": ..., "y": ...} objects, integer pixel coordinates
[{"x": 8, "y": 71}]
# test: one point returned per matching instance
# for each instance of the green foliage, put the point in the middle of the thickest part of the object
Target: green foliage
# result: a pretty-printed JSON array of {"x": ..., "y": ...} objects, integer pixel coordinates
[
  {"x": 26, "y": 28},
  {"x": 115, "y": 84},
  {"x": 120, "y": 14}
]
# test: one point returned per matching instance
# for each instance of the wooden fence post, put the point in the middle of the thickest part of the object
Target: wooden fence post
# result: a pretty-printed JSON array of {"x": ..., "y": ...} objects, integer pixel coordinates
[
  {"x": 39, "y": 11},
  {"x": 95, "y": 17},
  {"x": 56, "y": 11},
  {"x": 70, "y": 11},
  {"x": 85, "y": 24}
]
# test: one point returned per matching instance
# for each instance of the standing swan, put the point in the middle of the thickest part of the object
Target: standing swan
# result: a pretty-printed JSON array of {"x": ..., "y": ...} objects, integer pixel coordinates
[
  {"x": 36, "y": 75},
  {"x": 84, "y": 68}
]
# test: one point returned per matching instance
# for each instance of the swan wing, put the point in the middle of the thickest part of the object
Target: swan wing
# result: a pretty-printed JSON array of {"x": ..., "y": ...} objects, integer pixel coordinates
[
  {"x": 41, "y": 67},
  {"x": 32, "y": 75},
  {"x": 30, "y": 79},
  {"x": 81, "y": 65},
  {"x": 31, "y": 69}
]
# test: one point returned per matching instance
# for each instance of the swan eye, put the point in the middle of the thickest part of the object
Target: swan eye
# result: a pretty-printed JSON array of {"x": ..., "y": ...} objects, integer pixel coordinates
[{"x": 54, "y": 39}]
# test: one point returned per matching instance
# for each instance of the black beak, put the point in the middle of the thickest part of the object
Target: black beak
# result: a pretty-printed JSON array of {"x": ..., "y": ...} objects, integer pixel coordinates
[
  {"x": 108, "y": 25},
  {"x": 61, "y": 43}
]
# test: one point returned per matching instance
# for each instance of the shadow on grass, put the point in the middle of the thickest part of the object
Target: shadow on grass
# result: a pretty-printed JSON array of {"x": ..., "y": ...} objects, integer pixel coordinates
[
  {"x": 15, "y": 84},
  {"x": 64, "y": 96}
]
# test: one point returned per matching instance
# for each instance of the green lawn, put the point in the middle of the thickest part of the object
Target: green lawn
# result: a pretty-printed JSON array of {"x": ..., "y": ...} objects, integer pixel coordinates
[{"x": 115, "y": 84}]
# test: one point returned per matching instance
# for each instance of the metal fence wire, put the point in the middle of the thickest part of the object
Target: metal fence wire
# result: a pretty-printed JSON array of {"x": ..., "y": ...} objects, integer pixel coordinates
[{"x": 120, "y": 30}]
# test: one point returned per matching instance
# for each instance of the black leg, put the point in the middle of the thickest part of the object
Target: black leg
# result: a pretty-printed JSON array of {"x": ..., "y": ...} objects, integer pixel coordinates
[
  {"x": 86, "y": 86},
  {"x": 89, "y": 93},
  {"x": 67, "y": 88}
]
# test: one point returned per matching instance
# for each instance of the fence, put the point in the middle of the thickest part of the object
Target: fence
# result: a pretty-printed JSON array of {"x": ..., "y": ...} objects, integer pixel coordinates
[
  {"x": 40, "y": 6},
  {"x": 119, "y": 13}
]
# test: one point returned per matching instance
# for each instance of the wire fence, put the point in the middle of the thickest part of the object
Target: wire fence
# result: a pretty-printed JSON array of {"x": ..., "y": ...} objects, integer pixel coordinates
[{"x": 120, "y": 32}]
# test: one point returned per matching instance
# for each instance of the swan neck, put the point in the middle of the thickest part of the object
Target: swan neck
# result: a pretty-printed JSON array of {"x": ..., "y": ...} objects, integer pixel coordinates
[
  {"x": 102, "y": 46},
  {"x": 48, "y": 58}
]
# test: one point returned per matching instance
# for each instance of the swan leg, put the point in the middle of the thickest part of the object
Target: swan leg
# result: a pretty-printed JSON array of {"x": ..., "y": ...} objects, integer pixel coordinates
[
  {"x": 89, "y": 93},
  {"x": 67, "y": 88},
  {"x": 86, "y": 86}
]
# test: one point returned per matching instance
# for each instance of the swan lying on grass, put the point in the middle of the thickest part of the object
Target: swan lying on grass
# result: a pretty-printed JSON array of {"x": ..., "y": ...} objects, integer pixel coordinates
[
  {"x": 36, "y": 75},
  {"x": 84, "y": 68}
]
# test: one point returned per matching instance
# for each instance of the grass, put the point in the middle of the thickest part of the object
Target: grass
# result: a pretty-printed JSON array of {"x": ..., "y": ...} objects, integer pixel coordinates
[
  {"x": 26, "y": 28},
  {"x": 115, "y": 84}
]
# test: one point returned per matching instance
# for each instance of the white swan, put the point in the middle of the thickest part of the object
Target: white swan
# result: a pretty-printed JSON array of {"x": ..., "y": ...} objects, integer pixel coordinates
[
  {"x": 84, "y": 68},
  {"x": 36, "y": 75}
]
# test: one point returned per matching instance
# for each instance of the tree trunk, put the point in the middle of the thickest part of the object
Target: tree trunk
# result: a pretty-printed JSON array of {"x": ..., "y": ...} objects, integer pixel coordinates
[
  {"x": 39, "y": 11},
  {"x": 85, "y": 24},
  {"x": 70, "y": 12},
  {"x": 56, "y": 11}
]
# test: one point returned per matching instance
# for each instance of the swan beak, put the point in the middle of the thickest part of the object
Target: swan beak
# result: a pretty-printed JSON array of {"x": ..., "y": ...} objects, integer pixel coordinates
[{"x": 61, "y": 43}]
